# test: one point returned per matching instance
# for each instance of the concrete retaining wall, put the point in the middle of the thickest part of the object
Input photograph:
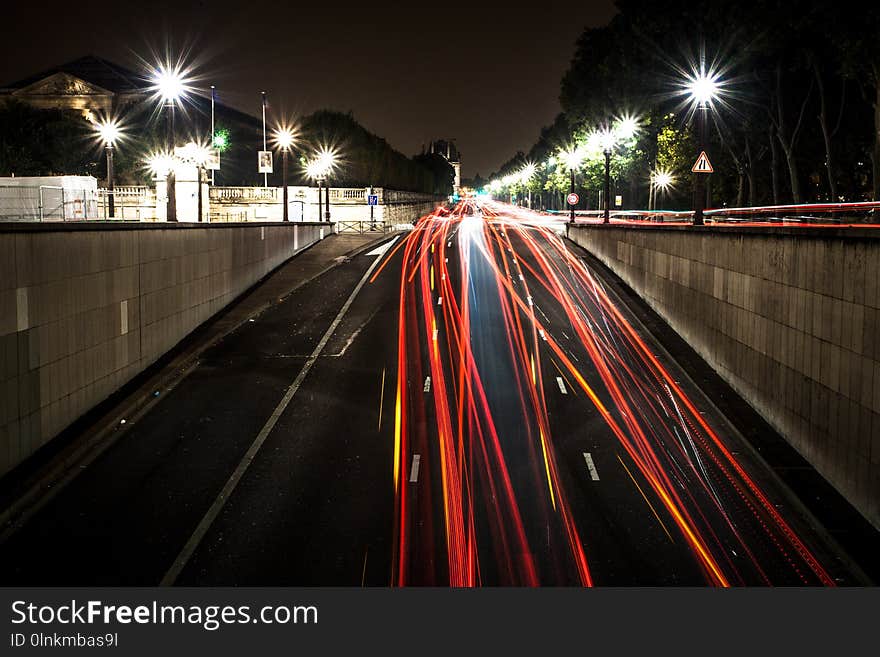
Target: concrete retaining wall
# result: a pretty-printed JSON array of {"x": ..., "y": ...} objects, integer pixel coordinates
[
  {"x": 84, "y": 308},
  {"x": 789, "y": 317}
]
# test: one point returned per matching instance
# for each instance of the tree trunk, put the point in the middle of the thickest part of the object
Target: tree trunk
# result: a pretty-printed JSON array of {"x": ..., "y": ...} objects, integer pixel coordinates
[
  {"x": 750, "y": 174},
  {"x": 826, "y": 135},
  {"x": 789, "y": 143},
  {"x": 740, "y": 187},
  {"x": 793, "y": 174},
  {"x": 774, "y": 166},
  {"x": 876, "y": 162}
]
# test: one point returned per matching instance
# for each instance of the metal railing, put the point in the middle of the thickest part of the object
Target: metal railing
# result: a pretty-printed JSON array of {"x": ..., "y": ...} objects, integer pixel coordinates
[
  {"x": 860, "y": 213},
  {"x": 244, "y": 194},
  {"x": 363, "y": 227},
  {"x": 130, "y": 203}
]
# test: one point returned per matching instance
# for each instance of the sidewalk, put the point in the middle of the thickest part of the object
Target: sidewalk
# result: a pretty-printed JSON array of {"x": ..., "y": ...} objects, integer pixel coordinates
[{"x": 26, "y": 489}]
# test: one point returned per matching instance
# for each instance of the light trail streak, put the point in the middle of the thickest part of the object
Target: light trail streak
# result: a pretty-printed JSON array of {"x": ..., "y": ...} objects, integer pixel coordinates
[{"x": 494, "y": 486}]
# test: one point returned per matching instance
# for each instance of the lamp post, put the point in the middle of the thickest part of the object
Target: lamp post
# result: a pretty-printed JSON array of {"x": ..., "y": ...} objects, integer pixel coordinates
[
  {"x": 608, "y": 140},
  {"x": 702, "y": 89},
  {"x": 284, "y": 139},
  {"x": 525, "y": 177},
  {"x": 572, "y": 159},
  {"x": 660, "y": 182},
  {"x": 109, "y": 133},
  {"x": 327, "y": 201},
  {"x": 169, "y": 84},
  {"x": 320, "y": 199},
  {"x": 319, "y": 169},
  {"x": 606, "y": 215}
]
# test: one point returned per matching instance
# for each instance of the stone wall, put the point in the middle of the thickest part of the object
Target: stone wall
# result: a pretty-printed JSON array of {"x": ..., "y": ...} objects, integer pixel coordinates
[
  {"x": 86, "y": 307},
  {"x": 790, "y": 317}
]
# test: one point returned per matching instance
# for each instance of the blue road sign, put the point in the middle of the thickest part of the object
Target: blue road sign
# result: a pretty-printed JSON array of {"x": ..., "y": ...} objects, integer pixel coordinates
[{"x": 372, "y": 199}]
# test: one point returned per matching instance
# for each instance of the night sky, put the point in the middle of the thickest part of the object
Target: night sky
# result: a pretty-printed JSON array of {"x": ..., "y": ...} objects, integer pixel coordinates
[{"x": 485, "y": 74}]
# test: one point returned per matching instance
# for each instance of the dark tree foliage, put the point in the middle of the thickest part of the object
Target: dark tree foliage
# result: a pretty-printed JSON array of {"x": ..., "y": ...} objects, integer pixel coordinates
[
  {"x": 366, "y": 159},
  {"x": 799, "y": 120},
  {"x": 39, "y": 142}
]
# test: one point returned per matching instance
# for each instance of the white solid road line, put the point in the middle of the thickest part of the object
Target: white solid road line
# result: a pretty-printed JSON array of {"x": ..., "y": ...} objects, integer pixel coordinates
[
  {"x": 591, "y": 466},
  {"x": 561, "y": 385},
  {"x": 215, "y": 508},
  {"x": 382, "y": 248},
  {"x": 414, "y": 470},
  {"x": 427, "y": 387}
]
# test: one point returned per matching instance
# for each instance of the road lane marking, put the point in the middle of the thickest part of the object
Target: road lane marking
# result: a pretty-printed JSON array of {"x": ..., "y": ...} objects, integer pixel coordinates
[
  {"x": 382, "y": 249},
  {"x": 650, "y": 506},
  {"x": 214, "y": 510},
  {"x": 381, "y": 397},
  {"x": 439, "y": 301},
  {"x": 364, "y": 571},
  {"x": 591, "y": 466},
  {"x": 414, "y": 470},
  {"x": 561, "y": 385},
  {"x": 427, "y": 387}
]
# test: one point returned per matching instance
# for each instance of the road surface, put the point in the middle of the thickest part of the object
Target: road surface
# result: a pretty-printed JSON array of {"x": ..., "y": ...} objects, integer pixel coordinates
[{"x": 467, "y": 406}]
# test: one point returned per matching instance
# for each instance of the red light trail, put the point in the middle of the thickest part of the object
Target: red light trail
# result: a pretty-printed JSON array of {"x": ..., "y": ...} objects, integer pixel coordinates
[{"x": 492, "y": 305}]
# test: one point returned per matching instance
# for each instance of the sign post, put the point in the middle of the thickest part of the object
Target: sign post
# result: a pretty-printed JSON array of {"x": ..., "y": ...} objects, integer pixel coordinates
[{"x": 372, "y": 201}]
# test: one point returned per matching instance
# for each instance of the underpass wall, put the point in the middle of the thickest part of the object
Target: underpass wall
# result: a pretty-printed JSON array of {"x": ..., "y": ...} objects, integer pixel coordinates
[
  {"x": 86, "y": 307},
  {"x": 789, "y": 317}
]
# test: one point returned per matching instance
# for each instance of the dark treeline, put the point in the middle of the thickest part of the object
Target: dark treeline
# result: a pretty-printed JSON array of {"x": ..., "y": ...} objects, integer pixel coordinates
[
  {"x": 798, "y": 119},
  {"x": 39, "y": 142}
]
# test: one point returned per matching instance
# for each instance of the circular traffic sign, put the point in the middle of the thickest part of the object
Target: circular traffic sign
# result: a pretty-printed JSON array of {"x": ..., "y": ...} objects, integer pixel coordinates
[{"x": 572, "y": 199}]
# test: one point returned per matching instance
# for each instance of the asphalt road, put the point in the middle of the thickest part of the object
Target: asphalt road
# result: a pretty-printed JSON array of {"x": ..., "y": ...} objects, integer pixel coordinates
[{"x": 484, "y": 413}]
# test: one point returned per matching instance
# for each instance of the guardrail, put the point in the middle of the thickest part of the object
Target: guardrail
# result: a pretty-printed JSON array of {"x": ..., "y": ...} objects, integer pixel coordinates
[
  {"x": 867, "y": 213},
  {"x": 364, "y": 227}
]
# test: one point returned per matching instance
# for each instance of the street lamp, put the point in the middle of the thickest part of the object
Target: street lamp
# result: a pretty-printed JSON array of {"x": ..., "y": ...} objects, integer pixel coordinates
[
  {"x": 703, "y": 89},
  {"x": 284, "y": 139},
  {"x": 660, "y": 180},
  {"x": 170, "y": 86},
  {"x": 608, "y": 140},
  {"x": 319, "y": 169},
  {"x": 108, "y": 131},
  {"x": 572, "y": 159},
  {"x": 525, "y": 175}
]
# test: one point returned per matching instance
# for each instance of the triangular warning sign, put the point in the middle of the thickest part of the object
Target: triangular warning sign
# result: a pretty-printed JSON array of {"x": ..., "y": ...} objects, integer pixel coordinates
[{"x": 703, "y": 165}]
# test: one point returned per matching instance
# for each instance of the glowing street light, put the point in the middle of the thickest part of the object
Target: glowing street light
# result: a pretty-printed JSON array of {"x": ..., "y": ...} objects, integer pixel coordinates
[
  {"x": 608, "y": 140},
  {"x": 170, "y": 85},
  {"x": 109, "y": 132},
  {"x": 319, "y": 169},
  {"x": 703, "y": 89},
  {"x": 662, "y": 180},
  {"x": 284, "y": 139},
  {"x": 626, "y": 128},
  {"x": 525, "y": 175},
  {"x": 159, "y": 164},
  {"x": 572, "y": 159}
]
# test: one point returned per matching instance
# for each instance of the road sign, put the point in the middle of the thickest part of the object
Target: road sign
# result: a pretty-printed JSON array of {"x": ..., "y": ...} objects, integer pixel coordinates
[
  {"x": 572, "y": 199},
  {"x": 372, "y": 199},
  {"x": 703, "y": 165},
  {"x": 264, "y": 161},
  {"x": 212, "y": 160},
  {"x": 618, "y": 201}
]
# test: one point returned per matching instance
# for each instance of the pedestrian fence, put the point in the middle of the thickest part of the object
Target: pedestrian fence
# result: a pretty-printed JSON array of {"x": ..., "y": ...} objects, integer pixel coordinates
[
  {"x": 47, "y": 203},
  {"x": 130, "y": 203},
  {"x": 364, "y": 227}
]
